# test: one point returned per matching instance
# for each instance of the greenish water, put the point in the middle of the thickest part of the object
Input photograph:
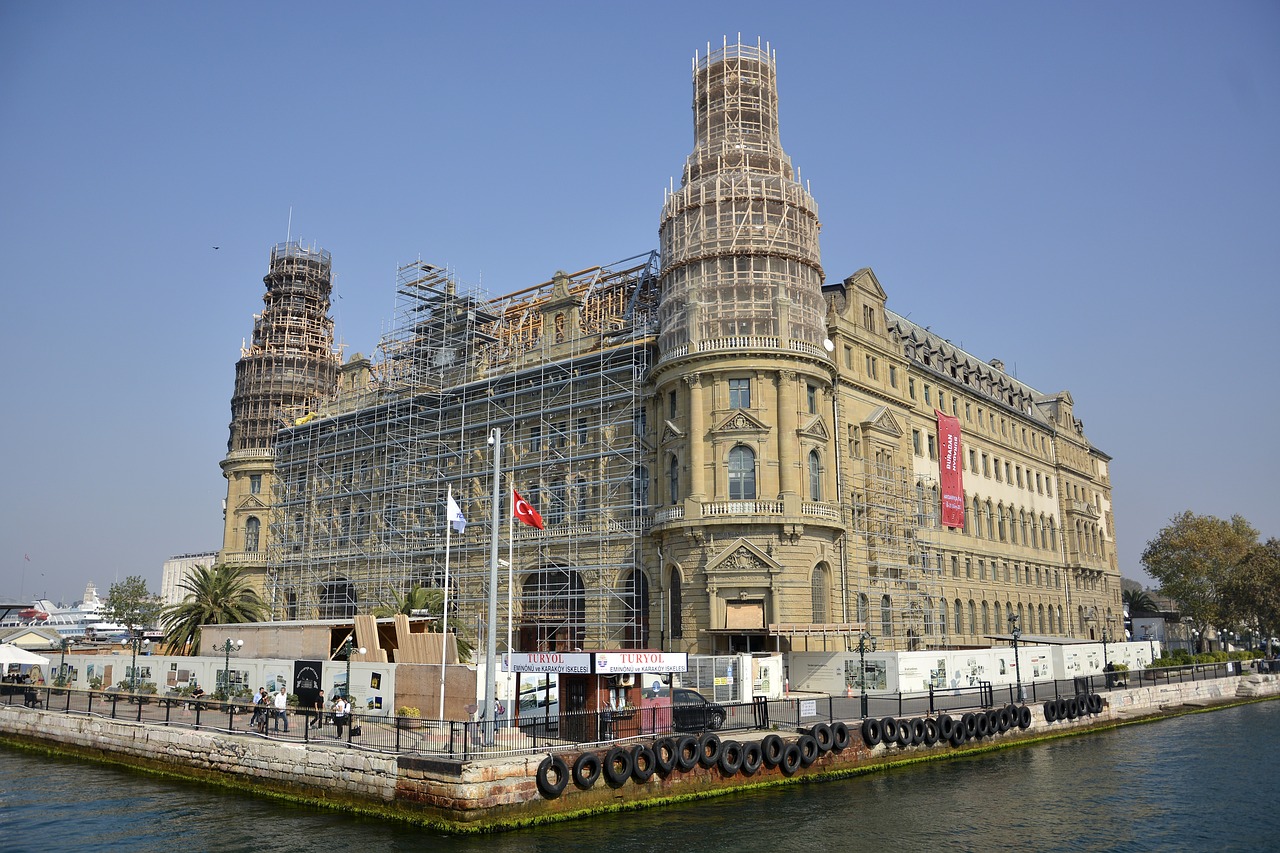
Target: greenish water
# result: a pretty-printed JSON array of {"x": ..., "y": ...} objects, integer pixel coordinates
[{"x": 1200, "y": 782}]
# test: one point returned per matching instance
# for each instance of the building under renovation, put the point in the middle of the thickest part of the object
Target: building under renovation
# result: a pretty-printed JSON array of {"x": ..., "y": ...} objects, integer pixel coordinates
[{"x": 727, "y": 453}]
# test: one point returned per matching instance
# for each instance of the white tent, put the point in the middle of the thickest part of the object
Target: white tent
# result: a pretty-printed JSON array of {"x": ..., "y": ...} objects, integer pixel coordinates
[{"x": 10, "y": 654}]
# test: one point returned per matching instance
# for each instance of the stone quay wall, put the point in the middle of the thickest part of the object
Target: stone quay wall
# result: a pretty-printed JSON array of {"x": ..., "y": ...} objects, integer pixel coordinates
[{"x": 503, "y": 792}]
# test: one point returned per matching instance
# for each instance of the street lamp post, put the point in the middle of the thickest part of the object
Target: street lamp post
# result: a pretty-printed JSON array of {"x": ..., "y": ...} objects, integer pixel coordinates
[
  {"x": 1017, "y": 665},
  {"x": 1151, "y": 646},
  {"x": 348, "y": 647},
  {"x": 136, "y": 643},
  {"x": 227, "y": 646},
  {"x": 63, "y": 645},
  {"x": 863, "y": 639}
]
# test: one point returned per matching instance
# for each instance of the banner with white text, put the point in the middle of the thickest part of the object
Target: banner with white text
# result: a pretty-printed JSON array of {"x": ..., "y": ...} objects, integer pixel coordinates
[{"x": 950, "y": 470}]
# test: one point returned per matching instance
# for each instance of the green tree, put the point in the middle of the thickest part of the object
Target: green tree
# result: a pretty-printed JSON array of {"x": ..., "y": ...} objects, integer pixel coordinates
[
  {"x": 1251, "y": 591},
  {"x": 1191, "y": 557},
  {"x": 215, "y": 595},
  {"x": 418, "y": 601},
  {"x": 128, "y": 603}
]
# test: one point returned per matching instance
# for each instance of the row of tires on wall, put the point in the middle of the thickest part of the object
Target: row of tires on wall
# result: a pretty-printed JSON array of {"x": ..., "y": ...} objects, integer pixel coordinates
[
  {"x": 957, "y": 731},
  {"x": 1080, "y": 705},
  {"x": 667, "y": 755}
]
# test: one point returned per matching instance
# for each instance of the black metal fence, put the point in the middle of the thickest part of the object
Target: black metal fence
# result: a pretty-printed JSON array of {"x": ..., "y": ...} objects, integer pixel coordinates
[{"x": 542, "y": 731}]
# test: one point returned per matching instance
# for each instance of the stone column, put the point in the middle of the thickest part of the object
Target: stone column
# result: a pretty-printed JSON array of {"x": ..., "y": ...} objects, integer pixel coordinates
[
  {"x": 788, "y": 445},
  {"x": 697, "y": 440}
]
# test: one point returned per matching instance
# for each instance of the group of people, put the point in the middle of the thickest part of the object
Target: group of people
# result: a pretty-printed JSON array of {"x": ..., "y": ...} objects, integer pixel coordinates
[{"x": 275, "y": 707}]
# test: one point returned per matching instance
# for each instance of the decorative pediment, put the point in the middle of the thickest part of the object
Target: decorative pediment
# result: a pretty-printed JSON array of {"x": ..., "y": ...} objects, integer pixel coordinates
[
  {"x": 883, "y": 421},
  {"x": 866, "y": 281},
  {"x": 251, "y": 503},
  {"x": 740, "y": 420},
  {"x": 671, "y": 432},
  {"x": 741, "y": 560},
  {"x": 815, "y": 428}
]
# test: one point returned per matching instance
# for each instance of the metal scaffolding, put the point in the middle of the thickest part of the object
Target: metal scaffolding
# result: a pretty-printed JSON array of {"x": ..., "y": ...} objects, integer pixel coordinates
[
  {"x": 558, "y": 368},
  {"x": 894, "y": 513}
]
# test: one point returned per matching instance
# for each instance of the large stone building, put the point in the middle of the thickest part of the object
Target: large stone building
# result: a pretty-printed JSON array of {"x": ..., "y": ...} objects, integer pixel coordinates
[{"x": 728, "y": 454}]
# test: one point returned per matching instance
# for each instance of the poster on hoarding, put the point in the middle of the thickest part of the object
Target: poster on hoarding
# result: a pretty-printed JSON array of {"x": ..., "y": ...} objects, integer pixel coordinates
[{"x": 950, "y": 470}]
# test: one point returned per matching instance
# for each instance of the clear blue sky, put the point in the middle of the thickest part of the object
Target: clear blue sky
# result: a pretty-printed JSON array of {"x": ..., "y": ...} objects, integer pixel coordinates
[{"x": 1087, "y": 191}]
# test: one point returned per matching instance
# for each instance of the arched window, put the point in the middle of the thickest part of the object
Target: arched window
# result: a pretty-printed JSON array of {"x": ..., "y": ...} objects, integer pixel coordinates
[
  {"x": 815, "y": 476},
  {"x": 742, "y": 473},
  {"x": 675, "y": 601},
  {"x": 818, "y": 585},
  {"x": 986, "y": 618},
  {"x": 636, "y": 598},
  {"x": 977, "y": 517},
  {"x": 581, "y": 493},
  {"x": 886, "y": 617},
  {"x": 928, "y": 618},
  {"x": 1000, "y": 516},
  {"x": 991, "y": 522},
  {"x": 337, "y": 599},
  {"x": 1040, "y": 613},
  {"x": 553, "y": 609},
  {"x": 959, "y": 617},
  {"x": 252, "y": 530},
  {"x": 1021, "y": 614},
  {"x": 999, "y": 620},
  {"x": 673, "y": 479},
  {"x": 942, "y": 617},
  {"x": 973, "y": 617},
  {"x": 863, "y": 607}
]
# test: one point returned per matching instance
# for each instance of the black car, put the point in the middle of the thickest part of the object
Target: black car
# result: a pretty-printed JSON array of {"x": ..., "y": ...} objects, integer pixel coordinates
[{"x": 693, "y": 712}]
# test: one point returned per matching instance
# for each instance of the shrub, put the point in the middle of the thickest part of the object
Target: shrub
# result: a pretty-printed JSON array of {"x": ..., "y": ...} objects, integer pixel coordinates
[{"x": 407, "y": 711}]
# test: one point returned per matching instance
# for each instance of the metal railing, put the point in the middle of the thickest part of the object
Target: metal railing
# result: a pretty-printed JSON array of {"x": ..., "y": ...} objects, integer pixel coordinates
[{"x": 542, "y": 731}]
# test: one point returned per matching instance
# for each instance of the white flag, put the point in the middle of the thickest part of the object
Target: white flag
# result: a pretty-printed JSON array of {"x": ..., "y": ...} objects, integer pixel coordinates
[{"x": 455, "y": 514}]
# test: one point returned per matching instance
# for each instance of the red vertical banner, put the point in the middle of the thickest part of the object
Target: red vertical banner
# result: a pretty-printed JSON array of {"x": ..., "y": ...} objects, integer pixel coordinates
[{"x": 950, "y": 470}]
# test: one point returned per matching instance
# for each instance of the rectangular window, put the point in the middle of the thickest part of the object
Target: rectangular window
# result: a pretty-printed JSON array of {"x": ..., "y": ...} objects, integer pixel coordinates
[
  {"x": 739, "y": 393},
  {"x": 893, "y": 376},
  {"x": 671, "y": 404},
  {"x": 1007, "y": 471},
  {"x": 955, "y": 567},
  {"x": 915, "y": 441},
  {"x": 871, "y": 367},
  {"x": 968, "y": 568},
  {"x": 933, "y": 447},
  {"x": 927, "y": 400},
  {"x": 911, "y": 388},
  {"x": 968, "y": 412},
  {"x": 1003, "y": 427},
  {"x": 848, "y": 357},
  {"x": 584, "y": 432},
  {"x": 535, "y": 438},
  {"x": 982, "y": 570},
  {"x": 996, "y": 464},
  {"x": 986, "y": 469},
  {"x": 1017, "y": 469},
  {"x": 973, "y": 460},
  {"x": 812, "y": 396},
  {"x": 255, "y": 484},
  {"x": 1039, "y": 483}
]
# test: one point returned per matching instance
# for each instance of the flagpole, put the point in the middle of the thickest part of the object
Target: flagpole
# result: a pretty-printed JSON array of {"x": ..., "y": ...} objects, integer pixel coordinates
[
  {"x": 511, "y": 548},
  {"x": 495, "y": 528},
  {"x": 444, "y": 623}
]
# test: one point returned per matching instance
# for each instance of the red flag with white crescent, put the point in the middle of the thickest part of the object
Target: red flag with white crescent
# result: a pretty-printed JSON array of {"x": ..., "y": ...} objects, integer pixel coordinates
[{"x": 524, "y": 511}]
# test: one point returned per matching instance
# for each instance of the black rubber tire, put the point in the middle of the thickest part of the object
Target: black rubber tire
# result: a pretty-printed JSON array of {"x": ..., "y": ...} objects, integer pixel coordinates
[
  {"x": 552, "y": 764},
  {"x": 617, "y": 766},
  {"x": 772, "y": 748},
  {"x": 822, "y": 734},
  {"x": 888, "y": 730},
  {"x": 970, "y": 723},
  {"x": 643, "y": 763},
  {"x": 982, "y": 725},
  {"x": 945, "y": 725},
  {"x": 930, "y": 732},
  {"x": 1051, "y": 711},
  {"x": 1013, "y": 713},
  {"x": 1073, "y": 708},
  {"x": 586, "y": 770},
  {"x": 1024, "y": 717},
  {"x": 917, "y": 731},
  {"x": 958, "y": 737},
  {"x": 709, "y": 746},
  {"x": 687, "y": 751},
  {"x": 903, "y": 740},
  {"x": 1095, "y": 703},
  {"x": 1082, "y": 702},
  {"x": 791, "y": 758},
  {"x": 1006, "y": 720},
  {"x": 752, "y": 758},
  {"x": 871, "y": 731},
  {"x": 809, "y": 749},
  {"x": 730, "y": 757},
  {"x": 993, "y": 722},
  {"x": 840, "y": 737},
  {"x": 664, "y": 755},
  {"x": 1062, "y": 708}
]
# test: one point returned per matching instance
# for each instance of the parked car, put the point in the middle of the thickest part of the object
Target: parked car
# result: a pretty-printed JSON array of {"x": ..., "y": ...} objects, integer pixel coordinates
[{"x": 693, "y": 712}]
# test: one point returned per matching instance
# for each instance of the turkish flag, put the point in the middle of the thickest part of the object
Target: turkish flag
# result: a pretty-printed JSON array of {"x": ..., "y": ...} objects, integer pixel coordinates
[{"x": 524, "y": 511}]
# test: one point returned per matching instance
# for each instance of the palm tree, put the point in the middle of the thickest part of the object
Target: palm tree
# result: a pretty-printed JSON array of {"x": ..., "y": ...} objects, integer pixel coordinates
[
  {"x": 216, "y": 595},
  {"x": 417, "y": 601},
  {"x": 1139, "y": 601}
]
